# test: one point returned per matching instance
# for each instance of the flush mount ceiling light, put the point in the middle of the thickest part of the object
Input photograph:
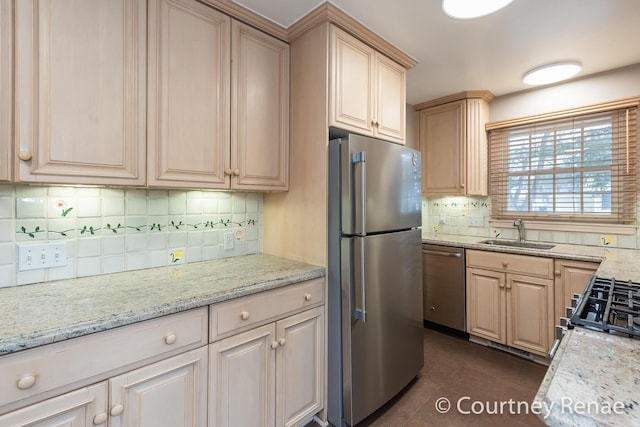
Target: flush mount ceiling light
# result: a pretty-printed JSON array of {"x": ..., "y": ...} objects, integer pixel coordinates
[
  {"x": 551, "y": 73},
  {"x": 467, "y": 9}
]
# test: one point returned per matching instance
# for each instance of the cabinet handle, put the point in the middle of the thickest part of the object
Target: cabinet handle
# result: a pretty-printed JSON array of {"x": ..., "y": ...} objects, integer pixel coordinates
[
  {"x": 236, "y": 172},
  {"x": 26, "y": 382},
  {"x": 274, "y": 345},
  {"x": 282, "y": 342},
  {"x": 117, "y": 410},
  {"x": 101, "y": 418},
  {"x": 227, "y": 171},
  {"x": 170, "y": 339},
  {"x": 307, "y": 297},
  {"x": 244, "y": 315},
  {"x": 25, "y": 155}
]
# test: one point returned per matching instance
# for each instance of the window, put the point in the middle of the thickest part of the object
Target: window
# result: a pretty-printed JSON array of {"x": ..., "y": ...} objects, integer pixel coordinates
[{"x": 577, "y": 167}]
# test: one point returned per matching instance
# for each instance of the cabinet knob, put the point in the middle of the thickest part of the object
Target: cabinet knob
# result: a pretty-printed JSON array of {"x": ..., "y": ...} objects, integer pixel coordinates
[
  {"x": 25, "y": 155},
  {"x": 307, "y": 297},
  {"x": 501, "y": 285},
  {"x": 282, "y": 342},
  {"x": 236, "y": 172},
  {"x": 170, "y": 339},
  {"x": 373, "y": 123},
  {"x": 117, "y": 410},
  {"x": 227, "y": 171},
  {"x": 508, "y": 285},
  {"x": 505, "y": 264},
  {"x": 244, "y": 315},
  {"x": 26, "y": 382},
  {"x": 274, "y": 345},
  {"x": 461, "y": 185},
  {"x": 557, "y": 273},
  {"x": 101, "y": 418}
]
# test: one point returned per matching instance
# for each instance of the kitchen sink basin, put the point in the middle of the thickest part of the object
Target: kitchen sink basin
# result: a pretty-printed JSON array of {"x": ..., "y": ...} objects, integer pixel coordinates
[{"x": 517, "y": 244}]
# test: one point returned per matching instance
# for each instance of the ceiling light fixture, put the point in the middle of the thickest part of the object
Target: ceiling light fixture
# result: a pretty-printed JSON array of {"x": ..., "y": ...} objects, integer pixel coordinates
[
  {"x": 467, "y": 9},
  {"x": 552, "y": 73}
]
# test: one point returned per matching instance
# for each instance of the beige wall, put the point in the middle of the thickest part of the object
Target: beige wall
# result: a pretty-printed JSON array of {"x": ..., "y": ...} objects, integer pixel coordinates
[{"x": 607, "y": 86}]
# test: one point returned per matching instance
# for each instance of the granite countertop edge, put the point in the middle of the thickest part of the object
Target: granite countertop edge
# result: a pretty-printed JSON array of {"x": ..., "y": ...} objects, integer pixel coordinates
[{"x": 276, "y": 272}]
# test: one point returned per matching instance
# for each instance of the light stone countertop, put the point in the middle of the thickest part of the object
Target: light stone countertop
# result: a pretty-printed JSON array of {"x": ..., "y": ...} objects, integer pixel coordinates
[
  {"x": 591, "y": 371},
  {"x": 43, "y": 313},
  {"x": 594, "y": 380}
]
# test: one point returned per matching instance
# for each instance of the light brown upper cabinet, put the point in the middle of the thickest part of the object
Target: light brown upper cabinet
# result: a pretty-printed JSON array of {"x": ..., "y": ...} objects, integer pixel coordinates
[
  {"x": 453, "y": 143},
  {"x": 368, "y": 90},
  {"x": 189, "y": 93},
  {"x": 6, "y": 89},
  {"x": 218, "y": 101},
  {"x": 259, "y": 110},
  {"x": 80, "y": 91}
]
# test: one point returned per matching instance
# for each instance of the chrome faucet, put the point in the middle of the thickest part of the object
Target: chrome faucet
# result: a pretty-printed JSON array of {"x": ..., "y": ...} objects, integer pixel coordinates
[{"x": 519, "y": 224}]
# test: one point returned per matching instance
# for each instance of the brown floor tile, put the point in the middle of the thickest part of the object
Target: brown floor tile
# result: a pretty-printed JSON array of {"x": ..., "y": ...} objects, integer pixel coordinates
[{"x": 456, "y": 369}]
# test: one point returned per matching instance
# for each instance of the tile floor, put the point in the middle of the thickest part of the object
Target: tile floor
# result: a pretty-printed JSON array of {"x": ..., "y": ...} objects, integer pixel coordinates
[{"x": 455, "y": 369}]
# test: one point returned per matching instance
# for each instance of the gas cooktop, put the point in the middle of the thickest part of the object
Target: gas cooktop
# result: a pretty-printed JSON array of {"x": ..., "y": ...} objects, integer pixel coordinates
[{"x": 609, "y": 305}]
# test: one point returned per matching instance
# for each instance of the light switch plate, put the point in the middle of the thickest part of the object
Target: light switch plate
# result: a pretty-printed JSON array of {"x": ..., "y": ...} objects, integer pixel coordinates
[
  {"x": 45, "y": 255},
  {"x": 228, "y": 241}
]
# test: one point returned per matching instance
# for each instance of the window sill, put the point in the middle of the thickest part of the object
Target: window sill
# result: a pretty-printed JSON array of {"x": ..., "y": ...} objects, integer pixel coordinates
[{"x": 568, "y": 226}]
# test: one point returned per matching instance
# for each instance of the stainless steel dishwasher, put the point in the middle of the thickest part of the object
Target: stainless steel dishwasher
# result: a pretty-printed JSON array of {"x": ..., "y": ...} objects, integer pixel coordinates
[{"x": 443, "y": 279}]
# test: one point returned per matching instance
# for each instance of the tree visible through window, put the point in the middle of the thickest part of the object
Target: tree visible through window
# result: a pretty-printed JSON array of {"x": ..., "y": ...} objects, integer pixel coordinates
[{"x": 577, "y": 168}]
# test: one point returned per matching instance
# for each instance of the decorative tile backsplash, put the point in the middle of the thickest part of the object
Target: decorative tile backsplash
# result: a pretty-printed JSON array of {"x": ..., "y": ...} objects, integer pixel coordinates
[
  {"x": 469, "y": 216},
  {"x": 109, "y": 230}
]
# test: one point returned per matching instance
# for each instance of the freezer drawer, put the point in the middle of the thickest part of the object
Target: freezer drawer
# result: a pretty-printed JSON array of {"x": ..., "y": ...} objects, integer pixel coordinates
[{"x": 381, "y": 319}]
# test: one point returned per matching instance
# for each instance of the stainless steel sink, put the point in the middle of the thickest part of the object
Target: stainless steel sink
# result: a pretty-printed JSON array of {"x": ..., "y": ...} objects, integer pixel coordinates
[{"x": 517, "y": 244}]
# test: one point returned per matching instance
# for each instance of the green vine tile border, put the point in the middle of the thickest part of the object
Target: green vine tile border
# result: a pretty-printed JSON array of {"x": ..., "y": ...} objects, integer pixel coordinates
[{"x": 116, "y": 228}]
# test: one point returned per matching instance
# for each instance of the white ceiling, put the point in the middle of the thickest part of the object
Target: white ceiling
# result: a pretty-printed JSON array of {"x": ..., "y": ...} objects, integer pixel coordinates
[{"x": 492, "y": 52}]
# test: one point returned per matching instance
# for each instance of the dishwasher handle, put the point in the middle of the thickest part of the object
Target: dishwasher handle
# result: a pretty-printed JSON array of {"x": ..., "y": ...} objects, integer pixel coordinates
[{"x": 448, "y": 254}]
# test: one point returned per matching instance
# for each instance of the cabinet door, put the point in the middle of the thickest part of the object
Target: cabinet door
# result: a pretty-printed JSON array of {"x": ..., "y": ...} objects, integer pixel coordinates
[
  {"x": 571, "y": 278},
  {"x": 259, "y": 110},
  {"x": 300, "y": 367},
  {"x": 442, "y": 137},
  {"x": 172, "y": 392},
  {"x": 529, "y": 313},
  {"x": 352, "y": 77},
  {"x": 189, "y": 83},
  {"x": 242, "y": 379},
  {"x": 81, "y": 408},
  {"x": 81, "y": 91},
  {"x": 486, "y": 311},
  {"x": 6, "y": 88},
  {"x": 391, "y": 108}
]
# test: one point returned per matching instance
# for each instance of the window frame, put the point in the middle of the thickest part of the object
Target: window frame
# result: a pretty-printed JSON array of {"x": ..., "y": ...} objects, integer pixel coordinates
[{"x": 623, "y": 213}]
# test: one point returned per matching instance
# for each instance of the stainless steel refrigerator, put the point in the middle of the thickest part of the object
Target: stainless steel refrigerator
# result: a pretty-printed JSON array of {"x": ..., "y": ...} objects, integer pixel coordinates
[{"x": 375, "y": 275}]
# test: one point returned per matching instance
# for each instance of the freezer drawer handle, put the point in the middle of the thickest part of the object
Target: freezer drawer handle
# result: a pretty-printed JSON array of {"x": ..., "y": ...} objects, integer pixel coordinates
[
  {"x": 449, "y": 254},
  {"x": 360, "y": 157}
]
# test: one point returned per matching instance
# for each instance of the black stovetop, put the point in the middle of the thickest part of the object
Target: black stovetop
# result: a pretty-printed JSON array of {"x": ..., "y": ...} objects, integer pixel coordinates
[{"x": 609, "y": 305}]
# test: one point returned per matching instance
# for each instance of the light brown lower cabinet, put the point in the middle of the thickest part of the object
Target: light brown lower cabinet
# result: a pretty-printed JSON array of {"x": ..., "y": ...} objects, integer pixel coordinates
[
  {"x": 171, "y": 392},
  {"x": 510, "y": 300},
  {"x": 271, "y": 375}
]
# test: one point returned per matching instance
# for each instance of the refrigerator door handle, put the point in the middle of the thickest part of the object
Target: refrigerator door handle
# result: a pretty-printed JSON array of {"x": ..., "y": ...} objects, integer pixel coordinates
[
  {"x": 360, "y": 157},
  {"x": 361, "y": 313}
]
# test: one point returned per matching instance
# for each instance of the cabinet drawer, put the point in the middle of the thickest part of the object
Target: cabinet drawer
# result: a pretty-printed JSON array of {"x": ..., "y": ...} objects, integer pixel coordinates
[
  {"x": 39, "y": 373},
  {"x": 243, "y": 313},
  {"x": 511, "y": 263}
]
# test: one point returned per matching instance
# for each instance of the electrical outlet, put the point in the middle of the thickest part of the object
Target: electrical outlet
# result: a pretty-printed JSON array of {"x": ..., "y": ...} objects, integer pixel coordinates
[
  {"x": 46, "y": 255},
  {"x": 228, "y": 241},
  {"x": 443, "y": 219},
  {"x": 476, "y": 221}
]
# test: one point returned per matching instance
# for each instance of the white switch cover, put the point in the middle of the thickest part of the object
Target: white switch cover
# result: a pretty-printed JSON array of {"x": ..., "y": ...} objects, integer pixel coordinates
[
  {"x": 228, "y": 241},
  {"x": 476, "y": 221},
  {"x": 46, "y": 255}
]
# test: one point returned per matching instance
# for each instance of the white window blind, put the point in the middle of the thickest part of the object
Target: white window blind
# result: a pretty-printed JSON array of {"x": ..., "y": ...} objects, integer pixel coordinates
[{"x": 578, "y": 168}]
